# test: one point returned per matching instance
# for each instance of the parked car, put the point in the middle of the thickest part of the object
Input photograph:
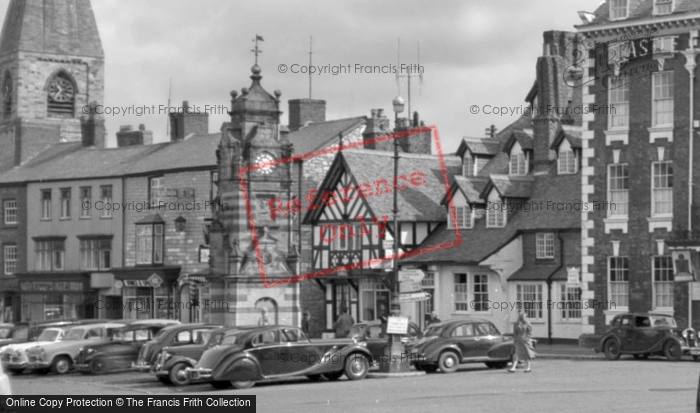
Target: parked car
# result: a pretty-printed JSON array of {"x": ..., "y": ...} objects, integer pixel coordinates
[
  {"x": 171, "y": 363},
  {"x": 5, "y": 388},
  {"x": 59, "y": 357},
  {"x": 247, "y": 356},
  {"x": 506, "y": 349},
  {"x": 448, "y": 344},
  {"x": 14, "y": 356},
  {"x": 122, "y": 349},
  {"x": 177, "y": 335},
  {"x": 374, "y": 334},
  {"x": 646, "y": 334}
]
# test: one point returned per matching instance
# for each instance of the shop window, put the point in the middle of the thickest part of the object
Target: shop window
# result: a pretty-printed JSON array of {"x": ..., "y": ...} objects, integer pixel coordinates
[{"x": 375, "y": 300}]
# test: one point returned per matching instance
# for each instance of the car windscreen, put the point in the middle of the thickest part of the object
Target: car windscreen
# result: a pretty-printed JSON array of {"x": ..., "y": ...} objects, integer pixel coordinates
[
  {"x": 74, "y": 334},
  {"x": 48, "y": 335},
  {"x": 161, "y": 334},
  {"x": 661, "y": 321},
  {"x": 432, "y": 331}
]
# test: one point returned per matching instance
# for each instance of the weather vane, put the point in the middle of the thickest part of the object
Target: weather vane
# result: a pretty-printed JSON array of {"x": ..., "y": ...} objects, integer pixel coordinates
[{"x": 257, "y": 50}]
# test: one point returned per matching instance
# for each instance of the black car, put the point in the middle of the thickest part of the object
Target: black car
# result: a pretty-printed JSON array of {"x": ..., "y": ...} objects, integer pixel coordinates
[
  {"x": 172, "y": 361},
  {"x": 122, "y": 349},
  {"x": 647, "y": 334},
  {"x": 247, "y": 356},
  {"x": 448, "y": 344},
  {"x": 178, "y": 335}
]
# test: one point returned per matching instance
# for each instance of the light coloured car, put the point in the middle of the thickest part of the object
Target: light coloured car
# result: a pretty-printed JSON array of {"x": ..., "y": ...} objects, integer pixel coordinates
[
  {"x": 14, "y": 356},
  {"x": 5, "y": 389},
  {"x": 59, "y": 357}
]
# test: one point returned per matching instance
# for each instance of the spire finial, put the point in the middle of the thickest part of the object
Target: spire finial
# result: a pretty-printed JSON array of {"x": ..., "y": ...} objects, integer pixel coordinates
[{"x": 257, "y": 50}]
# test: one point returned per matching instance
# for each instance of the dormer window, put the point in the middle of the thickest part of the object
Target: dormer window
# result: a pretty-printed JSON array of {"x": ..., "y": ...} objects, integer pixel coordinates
[
  {"x": 495, "y": 211},
  {"x": 566, "y": 159},
  {"x": 465, "y": 218},
  {"x": 663, "y": 6},
  {"x": 518, "y": 160},
  {"x": 618, "y": 9}
]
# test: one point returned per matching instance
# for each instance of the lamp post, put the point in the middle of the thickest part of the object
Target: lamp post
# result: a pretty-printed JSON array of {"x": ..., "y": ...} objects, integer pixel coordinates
[{"x": 396, "y": 362}]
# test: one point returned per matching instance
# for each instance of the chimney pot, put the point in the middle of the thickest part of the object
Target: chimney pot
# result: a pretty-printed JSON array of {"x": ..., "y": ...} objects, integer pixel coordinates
[
  {"x": 142, "y": 126},
  {"x": 185, "y": 104},
  {"x": 373, "y": 113}
]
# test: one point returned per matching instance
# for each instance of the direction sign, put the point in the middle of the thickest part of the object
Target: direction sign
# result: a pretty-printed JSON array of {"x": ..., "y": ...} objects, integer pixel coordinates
[
  {"x": 410, "y": 286},
  {"x": 412, "y": 275}
]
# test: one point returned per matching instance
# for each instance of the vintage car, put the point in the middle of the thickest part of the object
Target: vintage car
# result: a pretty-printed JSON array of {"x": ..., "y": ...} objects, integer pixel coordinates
[
  {"x": 121, "y": 350},
  {"x": 177, "y": 335},
  {"x": 448, "y": 344},
  {"x": 247, "y": 356},
  {"x": 58, "y": 357},
  {"x": 374, "y": 334},
  {"x": 646, "y": 334},
  {"x": 172, "y": 361},
  {"x": 14, "y": 356}
]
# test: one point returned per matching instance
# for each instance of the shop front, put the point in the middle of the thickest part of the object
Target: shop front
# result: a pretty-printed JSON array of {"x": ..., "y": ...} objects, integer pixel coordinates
[
  {"x": 140, "y": 293},
  {"x": 46, "y": 297}
]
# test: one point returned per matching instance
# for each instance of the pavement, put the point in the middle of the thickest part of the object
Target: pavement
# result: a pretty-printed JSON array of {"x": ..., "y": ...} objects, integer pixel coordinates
[{"x": 566, "y": 352}]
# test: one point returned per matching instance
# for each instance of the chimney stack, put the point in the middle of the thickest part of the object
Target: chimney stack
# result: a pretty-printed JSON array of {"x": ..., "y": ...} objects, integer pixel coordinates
[
  {"x": 377, "y": 125},
  {"x": 187, "y": 121},
  {"x": 303, "y": 111},
  {"x": 127, "y": 136}
]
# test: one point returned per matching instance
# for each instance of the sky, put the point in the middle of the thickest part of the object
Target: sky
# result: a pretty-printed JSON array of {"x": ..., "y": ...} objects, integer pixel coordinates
[{"x": 472, "y": 53}]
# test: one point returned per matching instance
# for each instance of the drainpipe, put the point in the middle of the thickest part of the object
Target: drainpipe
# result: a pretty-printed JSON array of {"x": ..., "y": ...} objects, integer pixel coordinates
[
  {"x": 690, "y": 54},
  {"x": 549, "y": 286}
]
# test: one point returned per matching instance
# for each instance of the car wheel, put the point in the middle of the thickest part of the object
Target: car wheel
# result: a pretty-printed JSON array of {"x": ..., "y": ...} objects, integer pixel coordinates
[
  {"x": 178, "y": 375},
  {"x": 61, "y": 365},
  {"x": 356, "y": 367},
  {"x": 98, "y": 366},
  {"x": 315, "y": 377},
  {"x": 449, "y": 361},
  {"x": 496, "y": 364},
  {"x": 612, "y": 350},
  {"x": 696, "y": 358},
  {"x": 221, "y": 385},
  {"x": 246, "y": 384},
  {"x": 640, "y": 356},
  {"x": 672, "y": 351},
  {"x": 334, "y": 375},
  {"x": 15, "y": 372}
]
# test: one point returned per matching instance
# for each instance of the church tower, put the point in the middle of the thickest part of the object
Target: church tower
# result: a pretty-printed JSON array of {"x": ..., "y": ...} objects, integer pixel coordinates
[
  {"x": 241, "y": 247},
  {"x": 51, "y": 67}
]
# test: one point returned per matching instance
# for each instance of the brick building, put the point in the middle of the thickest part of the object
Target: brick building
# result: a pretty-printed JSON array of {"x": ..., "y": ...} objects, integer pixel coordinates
[{"x": 641, "y": 60}]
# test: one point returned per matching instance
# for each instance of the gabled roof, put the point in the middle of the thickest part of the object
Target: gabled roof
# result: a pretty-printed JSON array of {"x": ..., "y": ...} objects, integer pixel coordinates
[
  {"x": 415, "y": 203},
  {"x": 509, "y": 186},
  {"x": 572, "y": 136},
  {"x": 522, "y": 137},
  {"x": 321, "y": 134},
  {"x": 73, "y": 161},
  {"x": 479, "y": 146},
  {"x": 471, "y": 188}
]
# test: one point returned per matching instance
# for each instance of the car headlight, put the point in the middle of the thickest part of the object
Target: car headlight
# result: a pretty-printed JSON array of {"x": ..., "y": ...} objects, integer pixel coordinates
[
  {"x": 91, "y": 350},
  {"x": 685, "y": 334}
]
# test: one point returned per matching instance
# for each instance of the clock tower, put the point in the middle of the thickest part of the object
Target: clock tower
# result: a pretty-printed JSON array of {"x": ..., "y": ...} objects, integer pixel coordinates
[
  {"x": 51, "y": 66},
  {"x": 243, "y": 245}
]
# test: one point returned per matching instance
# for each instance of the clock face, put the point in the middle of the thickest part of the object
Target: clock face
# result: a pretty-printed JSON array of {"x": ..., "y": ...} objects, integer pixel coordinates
[
  {"x": 61, "y": 90},
  {"x": 268, "y": 158}
]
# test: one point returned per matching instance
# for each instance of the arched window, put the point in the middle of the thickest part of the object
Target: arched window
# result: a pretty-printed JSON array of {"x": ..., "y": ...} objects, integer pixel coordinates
[
  {"x": 7, "y": 95},
  {"x": 61, "y": 95}
]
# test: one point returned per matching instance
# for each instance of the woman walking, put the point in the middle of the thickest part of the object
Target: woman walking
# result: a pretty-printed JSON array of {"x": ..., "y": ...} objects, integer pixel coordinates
[{"x": 524, "y": 351}]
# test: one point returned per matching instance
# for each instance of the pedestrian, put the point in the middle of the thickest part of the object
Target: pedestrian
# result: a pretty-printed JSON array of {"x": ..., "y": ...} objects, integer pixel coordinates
[
  {"x": 343, "y": 324},
  {"x": 305, "y": 322},
  {"x": 263, "y": 321},
  {"x": 522, "y": 335},
  {"x": 433, "y": 319}
]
